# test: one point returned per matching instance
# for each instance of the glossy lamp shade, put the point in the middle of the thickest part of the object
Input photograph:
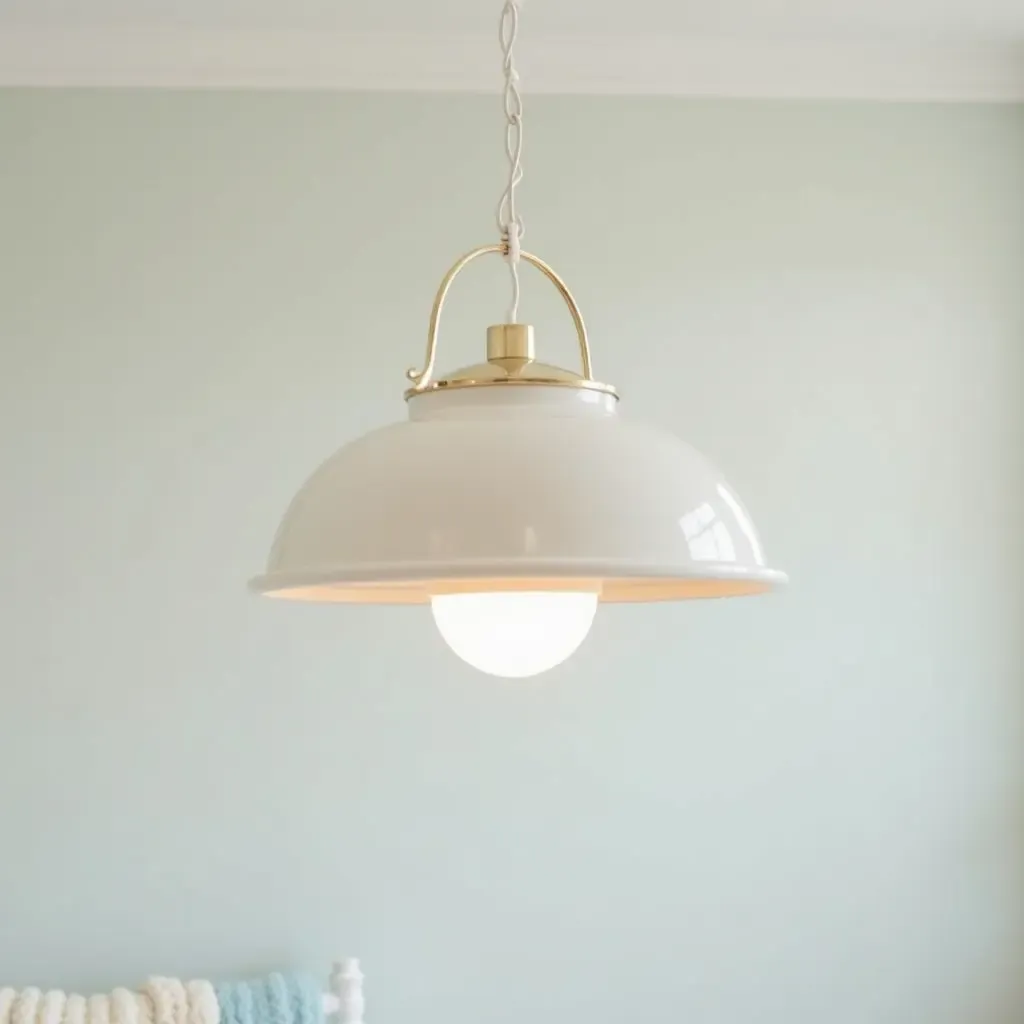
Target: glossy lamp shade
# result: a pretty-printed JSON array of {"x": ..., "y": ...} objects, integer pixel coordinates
[
  {"x": 513, "y": 500},
  {"x": 522, "y": 489}
]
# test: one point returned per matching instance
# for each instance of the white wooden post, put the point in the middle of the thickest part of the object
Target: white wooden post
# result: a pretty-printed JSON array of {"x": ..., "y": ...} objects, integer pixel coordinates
[{"x": 347, "y": 988}]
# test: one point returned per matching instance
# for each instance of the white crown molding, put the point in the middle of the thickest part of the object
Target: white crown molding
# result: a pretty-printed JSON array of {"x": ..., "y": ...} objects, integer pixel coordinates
[{"x": 124, "y": 58}]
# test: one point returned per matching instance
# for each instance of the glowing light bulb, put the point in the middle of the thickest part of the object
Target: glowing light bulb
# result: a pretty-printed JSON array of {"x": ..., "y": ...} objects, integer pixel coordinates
[{"x": 514, "y": 633}]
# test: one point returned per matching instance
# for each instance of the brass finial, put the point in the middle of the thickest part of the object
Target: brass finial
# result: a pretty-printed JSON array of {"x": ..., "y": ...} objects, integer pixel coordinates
[{"x": 510, "y": 341}]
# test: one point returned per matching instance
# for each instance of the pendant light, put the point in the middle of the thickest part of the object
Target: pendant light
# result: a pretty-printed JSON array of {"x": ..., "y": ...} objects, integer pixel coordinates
[{"x": 514, "y": 499}]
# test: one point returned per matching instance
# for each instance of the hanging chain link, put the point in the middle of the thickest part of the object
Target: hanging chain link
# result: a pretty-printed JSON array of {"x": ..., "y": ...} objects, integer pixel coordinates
[{"x": 510, "y": 223}]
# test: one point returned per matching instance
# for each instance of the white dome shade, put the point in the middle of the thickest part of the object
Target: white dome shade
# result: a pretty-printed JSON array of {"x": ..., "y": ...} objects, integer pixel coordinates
[{"x": 515, "y": 488}]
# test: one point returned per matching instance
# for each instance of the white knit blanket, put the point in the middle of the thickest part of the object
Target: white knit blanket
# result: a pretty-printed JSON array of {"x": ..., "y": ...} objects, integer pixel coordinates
[{"x": 160, "y": 1001}]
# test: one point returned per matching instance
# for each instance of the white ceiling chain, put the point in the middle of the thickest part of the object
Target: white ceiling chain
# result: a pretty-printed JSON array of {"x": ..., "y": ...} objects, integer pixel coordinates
[{"x": 510, "y": 223}]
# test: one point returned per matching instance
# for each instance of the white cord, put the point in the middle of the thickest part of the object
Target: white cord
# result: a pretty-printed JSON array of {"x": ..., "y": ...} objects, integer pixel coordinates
[{"x": 510, "y": 224}]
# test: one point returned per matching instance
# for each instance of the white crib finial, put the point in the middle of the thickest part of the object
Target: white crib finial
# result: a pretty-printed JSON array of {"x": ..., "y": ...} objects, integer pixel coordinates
[{"x": 347, "y": 985}]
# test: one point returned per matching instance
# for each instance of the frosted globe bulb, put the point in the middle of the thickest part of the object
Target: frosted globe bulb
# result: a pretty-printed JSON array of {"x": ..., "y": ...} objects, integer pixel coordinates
[{"x": 514, "y": 633}]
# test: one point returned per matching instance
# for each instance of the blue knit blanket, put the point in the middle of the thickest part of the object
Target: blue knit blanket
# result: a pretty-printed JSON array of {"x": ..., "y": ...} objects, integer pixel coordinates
[{"x": 276, "y": 999}]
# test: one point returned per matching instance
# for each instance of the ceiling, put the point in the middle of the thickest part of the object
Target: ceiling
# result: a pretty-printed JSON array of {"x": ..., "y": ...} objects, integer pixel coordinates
[
  {"x": 956, "y": 49},
  {"x": 825, "y": 19}
]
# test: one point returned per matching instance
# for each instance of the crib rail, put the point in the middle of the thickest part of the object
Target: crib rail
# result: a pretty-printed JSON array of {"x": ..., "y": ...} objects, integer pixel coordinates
[{"x": 344, "y": 998}]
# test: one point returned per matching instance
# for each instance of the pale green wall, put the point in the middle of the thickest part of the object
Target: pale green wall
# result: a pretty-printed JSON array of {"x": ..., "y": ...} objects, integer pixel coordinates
[{"x": 800, "y": 809}]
